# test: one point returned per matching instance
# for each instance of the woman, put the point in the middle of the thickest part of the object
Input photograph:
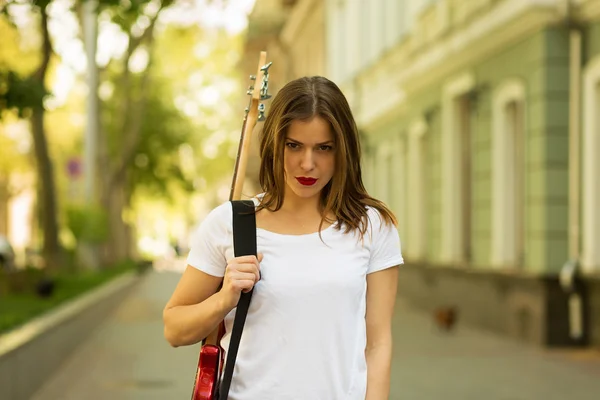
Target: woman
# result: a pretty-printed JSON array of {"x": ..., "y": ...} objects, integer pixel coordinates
[{"x": 319, "y": 324}]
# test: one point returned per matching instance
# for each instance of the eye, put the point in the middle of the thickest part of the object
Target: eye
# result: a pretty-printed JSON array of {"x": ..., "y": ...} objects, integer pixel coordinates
[
  {"x": 326, "y": 147},
  {"x": 292, "y": 145}
]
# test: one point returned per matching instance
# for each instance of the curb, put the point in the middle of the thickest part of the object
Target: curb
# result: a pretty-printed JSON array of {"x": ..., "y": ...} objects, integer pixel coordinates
[{"x": 29, "y": 355}]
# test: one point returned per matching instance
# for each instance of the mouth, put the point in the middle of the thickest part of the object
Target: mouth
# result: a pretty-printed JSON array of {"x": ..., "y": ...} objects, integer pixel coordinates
[{"x": 306, "y": 181}]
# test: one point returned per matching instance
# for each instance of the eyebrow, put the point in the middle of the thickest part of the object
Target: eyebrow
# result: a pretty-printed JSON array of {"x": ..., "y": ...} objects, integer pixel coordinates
[{"x": 318, "y": 144}]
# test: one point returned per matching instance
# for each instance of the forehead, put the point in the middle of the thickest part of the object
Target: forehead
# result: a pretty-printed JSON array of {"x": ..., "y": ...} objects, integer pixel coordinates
[{"x": 316, "y": 130}]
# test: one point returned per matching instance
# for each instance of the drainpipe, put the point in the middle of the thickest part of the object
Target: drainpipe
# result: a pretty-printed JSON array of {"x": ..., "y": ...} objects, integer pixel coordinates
[{"x": 570, "y": 270}]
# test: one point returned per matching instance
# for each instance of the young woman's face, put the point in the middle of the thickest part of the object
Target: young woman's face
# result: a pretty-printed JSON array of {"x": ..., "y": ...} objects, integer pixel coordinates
[{"x": 309, "y": 157}]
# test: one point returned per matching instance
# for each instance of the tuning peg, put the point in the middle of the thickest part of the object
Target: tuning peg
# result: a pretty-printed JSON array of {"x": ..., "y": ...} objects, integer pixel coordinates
[
  {"x": 261, "y": 112},
  {"x": 266, "y": 67},
  {"x": 252, "y": 77},
  {"x": 264, "y": 88},
  {"x": 250, "y": 90}
]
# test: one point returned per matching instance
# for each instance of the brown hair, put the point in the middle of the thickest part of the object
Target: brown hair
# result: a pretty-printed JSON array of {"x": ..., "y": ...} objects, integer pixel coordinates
[{"x": 345, "y": 195}]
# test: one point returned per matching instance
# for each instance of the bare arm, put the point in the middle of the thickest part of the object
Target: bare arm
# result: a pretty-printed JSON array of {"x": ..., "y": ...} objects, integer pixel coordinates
[
  {"x": 196, "y": 308},
  {"x": 381, "y": 297}
]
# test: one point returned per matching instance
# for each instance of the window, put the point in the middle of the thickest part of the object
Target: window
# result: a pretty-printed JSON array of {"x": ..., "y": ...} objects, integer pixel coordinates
[
  {"x": 515, "y": 173},
  {"x": 456, "y": 170},
  {"x": 508, "y": 171}
]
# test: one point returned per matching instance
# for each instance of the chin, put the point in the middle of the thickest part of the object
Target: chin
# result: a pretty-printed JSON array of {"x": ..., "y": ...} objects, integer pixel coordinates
[{"x": 306, "y": 192}]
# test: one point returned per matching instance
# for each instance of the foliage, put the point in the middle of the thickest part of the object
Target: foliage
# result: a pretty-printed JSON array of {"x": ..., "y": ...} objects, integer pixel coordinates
[
  {"x": 126, "y": 14},
  {"x": 14, "y": 147},
  {"x": 185, "y": 63},
  {"x": 203, "y": 62},
  {"x": 19, "y": 91},
  {"x": 20, "y": 94},
  {"x": 177, "y": 77},
  {"x": 26, "y": 94},
  {"x": 87, "y": 223},
  {"x": 164, "y": 130}
]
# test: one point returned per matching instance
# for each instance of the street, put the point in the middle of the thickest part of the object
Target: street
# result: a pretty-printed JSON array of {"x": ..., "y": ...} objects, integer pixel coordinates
[{"x": 128, "y": 359}]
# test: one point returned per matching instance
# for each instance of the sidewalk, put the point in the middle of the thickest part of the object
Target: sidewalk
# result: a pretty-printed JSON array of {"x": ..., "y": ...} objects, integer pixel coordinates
[
  {"x": 128, "y": 359},
  {"x": 473, "y": 365}
]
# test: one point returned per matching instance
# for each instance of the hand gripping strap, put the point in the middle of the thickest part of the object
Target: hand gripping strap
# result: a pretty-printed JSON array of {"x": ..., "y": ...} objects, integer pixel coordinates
[{"x": 244, "y": 244}]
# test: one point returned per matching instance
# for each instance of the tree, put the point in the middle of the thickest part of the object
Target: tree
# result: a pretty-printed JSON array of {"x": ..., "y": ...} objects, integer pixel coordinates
[
  {"x": 209, "y": 92},
  {"x": 142, "y": 129},
  {"x": 26, "y": 94},
  {"x": 143, "y": 124},
  {"x": 14, "y": 146},
  {"x": 131, "y": 106}
]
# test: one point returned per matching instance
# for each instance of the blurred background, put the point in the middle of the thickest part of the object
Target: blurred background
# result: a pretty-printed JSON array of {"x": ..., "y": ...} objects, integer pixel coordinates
[{"x": 480, "y": 126}]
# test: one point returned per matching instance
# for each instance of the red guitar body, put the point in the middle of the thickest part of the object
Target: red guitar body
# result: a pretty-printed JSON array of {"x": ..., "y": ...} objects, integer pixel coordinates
[{"x": 208, "y": 373}]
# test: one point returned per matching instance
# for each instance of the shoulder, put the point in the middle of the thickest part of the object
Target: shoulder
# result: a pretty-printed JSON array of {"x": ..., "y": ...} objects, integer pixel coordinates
[
  {"x": 376, "y": 220},
  {"x": 221, "y": 212},
  {"x": 218, "y": 220},
  {"x": 384, "y": 245},
  {"x": 258, "y": 199},
  {"x": 211, "y": 240}
]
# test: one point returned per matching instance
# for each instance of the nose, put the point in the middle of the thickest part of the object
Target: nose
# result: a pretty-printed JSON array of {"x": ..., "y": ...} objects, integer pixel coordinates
[{"x": 307, "y": 163}]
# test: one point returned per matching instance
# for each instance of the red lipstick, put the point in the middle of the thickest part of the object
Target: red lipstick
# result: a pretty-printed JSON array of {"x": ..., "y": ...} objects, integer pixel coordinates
[{"x": 306, "y": 181}]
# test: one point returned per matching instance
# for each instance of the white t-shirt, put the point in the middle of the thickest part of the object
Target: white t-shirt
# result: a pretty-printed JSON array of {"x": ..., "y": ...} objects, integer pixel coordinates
[{"x": 305, "y": 333}]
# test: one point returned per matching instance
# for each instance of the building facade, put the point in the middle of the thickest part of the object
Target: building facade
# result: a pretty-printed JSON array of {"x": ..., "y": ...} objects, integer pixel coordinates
[
  {"x": 481, "y": 129},
  {"x": 470, "y": 109}
]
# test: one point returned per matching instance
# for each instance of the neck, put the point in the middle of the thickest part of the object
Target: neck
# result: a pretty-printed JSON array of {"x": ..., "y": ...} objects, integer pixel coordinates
[{"x": 300, "y": 205}]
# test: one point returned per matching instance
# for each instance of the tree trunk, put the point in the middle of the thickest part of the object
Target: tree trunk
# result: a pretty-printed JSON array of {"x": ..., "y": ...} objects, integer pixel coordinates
[
  {"x": 4, "y": 214},
  {"x": 45, "y": 170},
  {"x": 118, "y": 240},
  {"x": 117, "y": 193},
  {"x": 47, "y": 190}
]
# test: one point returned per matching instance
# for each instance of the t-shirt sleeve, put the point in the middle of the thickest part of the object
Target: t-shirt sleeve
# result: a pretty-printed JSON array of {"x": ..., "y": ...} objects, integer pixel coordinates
[
  {"x": 385, "y": 244},
  {"x": 209, "y": 243}
]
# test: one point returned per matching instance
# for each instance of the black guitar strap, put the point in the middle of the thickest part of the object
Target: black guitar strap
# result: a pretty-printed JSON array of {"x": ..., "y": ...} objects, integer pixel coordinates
[{"x": 244, "y": 244}]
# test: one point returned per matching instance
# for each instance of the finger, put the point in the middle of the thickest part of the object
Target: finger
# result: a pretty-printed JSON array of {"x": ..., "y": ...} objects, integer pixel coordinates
[
  {"x": 245, "y": 286},
  {"x": 246, "y": 267},
  {"x": 243, "y": 276},
  {"x": 260, "y": 258},
  {"x": 242, "y": 260},
  {"x": 253, "y": 269},
  {"x": 251, "y": 272}
]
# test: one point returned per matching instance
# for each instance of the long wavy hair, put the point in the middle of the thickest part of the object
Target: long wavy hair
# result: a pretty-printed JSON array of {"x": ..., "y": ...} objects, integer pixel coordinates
[{"x": 345, "y": 195}]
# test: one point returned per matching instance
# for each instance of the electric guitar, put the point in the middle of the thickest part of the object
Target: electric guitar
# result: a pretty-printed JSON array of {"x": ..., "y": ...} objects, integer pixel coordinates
[{"x": 212, "y": 356}]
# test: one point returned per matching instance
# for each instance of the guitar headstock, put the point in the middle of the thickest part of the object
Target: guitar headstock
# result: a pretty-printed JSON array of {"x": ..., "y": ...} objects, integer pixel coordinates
[
  {"x": 254, "y": 112},
  {"x": 258, "y": 96}
]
